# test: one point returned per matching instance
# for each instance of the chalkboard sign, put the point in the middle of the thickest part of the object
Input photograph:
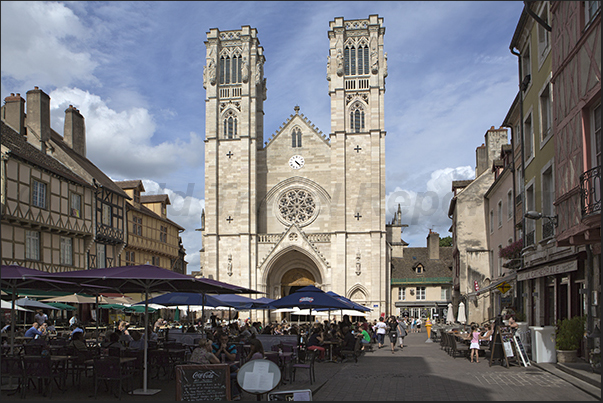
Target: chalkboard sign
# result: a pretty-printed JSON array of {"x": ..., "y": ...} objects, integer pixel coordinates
[
  {"x": 521, "y": 352},
  {"x": 202, "y": 382},
  {"x": 500, "y": 345}
]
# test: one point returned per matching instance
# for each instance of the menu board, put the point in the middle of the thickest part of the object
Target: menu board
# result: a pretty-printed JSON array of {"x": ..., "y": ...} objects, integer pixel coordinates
[
  {"x": 521, "y": 352},
  {"x": 202, "y": 382}
]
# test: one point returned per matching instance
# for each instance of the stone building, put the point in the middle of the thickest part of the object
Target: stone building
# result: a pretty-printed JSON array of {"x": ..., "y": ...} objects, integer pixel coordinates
[
  {"x": 299, "y": 207},
  {"x": 91, "y": 221},
  {"x": 471, "y": 255},
  {"x": 422, "y": 280},
  {"x": 152, "y": 237}
]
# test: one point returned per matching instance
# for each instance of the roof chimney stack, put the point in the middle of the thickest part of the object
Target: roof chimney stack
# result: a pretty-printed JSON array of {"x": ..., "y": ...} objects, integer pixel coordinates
[
  {"x": 13, "y": 113},
  {"x": 38, "y": 118},
  {"x": 74, "y": 132}
]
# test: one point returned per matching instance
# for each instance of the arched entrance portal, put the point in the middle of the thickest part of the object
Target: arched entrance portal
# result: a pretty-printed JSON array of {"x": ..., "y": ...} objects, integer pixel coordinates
[{"x": 290, "y": 272}]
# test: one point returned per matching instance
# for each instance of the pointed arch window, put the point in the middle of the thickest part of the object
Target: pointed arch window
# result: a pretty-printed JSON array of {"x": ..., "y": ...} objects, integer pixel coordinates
[
  {"x": 356, "y": 60},
  {"x": 357, "y": 118},
  {"x": 296, "y": 138},
  {"x": 230, "y": 125},
  {"x": 230, "y": 69}
]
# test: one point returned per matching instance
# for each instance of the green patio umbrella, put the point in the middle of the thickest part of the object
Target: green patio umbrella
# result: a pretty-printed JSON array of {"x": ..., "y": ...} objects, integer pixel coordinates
[
  {"x": 117, "y": 307},
  {"x": 62, "y": 306},
  {"x": 138, "y": 309}
]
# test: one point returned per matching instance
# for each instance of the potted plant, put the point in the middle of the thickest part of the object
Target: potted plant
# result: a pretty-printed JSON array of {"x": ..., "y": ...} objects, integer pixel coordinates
[{"x": 568, "y": 336}]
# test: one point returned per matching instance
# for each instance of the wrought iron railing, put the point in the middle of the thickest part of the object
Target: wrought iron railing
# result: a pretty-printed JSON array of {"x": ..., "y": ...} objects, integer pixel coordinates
[
  {"x": 530, "y": 237},
  {"x": 548, "y": 229},
  {"x": 590, "y": 190}
]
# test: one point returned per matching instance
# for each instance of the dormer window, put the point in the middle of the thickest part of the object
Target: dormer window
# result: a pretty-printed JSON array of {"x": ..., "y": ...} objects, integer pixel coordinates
[
  {"x": 419, "y": 269},
  {"x": 136, "y": 196}
]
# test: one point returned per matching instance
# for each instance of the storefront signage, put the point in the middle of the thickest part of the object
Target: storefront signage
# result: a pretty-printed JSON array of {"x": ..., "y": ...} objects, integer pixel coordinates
[
  {"x": 548, "y": 270},
  {"x": 503, "y": 287}
]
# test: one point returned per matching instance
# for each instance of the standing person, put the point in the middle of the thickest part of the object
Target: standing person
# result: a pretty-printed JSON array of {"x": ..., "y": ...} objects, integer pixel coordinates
[
  {"x": 419, "y": 321},
  {"x": 392, "y": 329},
  {"x": 74, "y": 320},
  {"x": 474, "y": 343},
  {"x": 380, "y": 330},
  {"x": 402, "y": 332},
  {"x": 413, "y": 325},
  {"x": 40, "y": 317}
]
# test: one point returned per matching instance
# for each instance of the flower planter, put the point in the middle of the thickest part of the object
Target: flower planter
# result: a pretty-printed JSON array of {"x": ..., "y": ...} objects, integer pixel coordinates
[{"x": 564, "y": 356}]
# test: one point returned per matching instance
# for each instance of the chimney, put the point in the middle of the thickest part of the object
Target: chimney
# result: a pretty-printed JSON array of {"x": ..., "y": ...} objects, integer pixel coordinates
[
  {"x": 74, "y": 133},
  {"x": 481, "y": 160},
  {"x": 433, "y": 245},
  {"x": 13, "y": 113},
  {"x": 38, "y": 118}
]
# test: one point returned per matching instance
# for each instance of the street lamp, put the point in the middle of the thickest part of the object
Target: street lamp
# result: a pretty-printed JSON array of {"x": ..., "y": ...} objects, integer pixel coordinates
[{"x": 535, "y": 215}]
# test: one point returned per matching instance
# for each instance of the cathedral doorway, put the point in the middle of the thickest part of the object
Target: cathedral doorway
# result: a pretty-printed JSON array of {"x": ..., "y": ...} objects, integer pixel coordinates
[{"x": 290, "y": 272}]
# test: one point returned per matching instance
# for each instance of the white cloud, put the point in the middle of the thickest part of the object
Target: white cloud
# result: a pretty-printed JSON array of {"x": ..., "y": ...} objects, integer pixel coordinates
[
  {"x": 424, "y": 210},
  {"x": 39, "y": 42},
  {"x": 121, "y": 143}
]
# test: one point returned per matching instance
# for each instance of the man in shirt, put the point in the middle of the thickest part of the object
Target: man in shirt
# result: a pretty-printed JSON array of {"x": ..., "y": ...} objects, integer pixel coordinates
[
  {"x": 34, "y": 330},
  {"x": 365, "y": 338},
  {"x": 40, "y": 317}
]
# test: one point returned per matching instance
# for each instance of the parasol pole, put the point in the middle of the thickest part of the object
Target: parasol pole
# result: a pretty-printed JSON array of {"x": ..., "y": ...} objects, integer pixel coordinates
[
  {"x": 97, "y": 319},
  {"x": 144, "y": 390}
]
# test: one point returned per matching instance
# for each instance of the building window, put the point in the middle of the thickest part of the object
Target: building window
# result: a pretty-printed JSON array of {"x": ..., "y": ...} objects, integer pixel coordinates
[
  {"x": 530, "y": 225},
  {"x": 76, "y": 205},
  {"x": 357, "y": 118},
  {"x": 509, "y": 204},
  {"x": 543, "y": 34},
  {"x": 528, "y": 138},
  {"x": 130, "y": 258},
  {"x": 38, "y": 194},
  {"x": 296, "y": 139},
  {"x": 591, "y": 9},
  {"x": 402, "y": 294},
  {"x": 66, "y": 251},
  {"x": 420, "y": 292},
  {"x": 526, "y": 67},
  {"x": 230, "y": 125},
  {"x": 356, "y": 60},
  {"x": 419, "y": 269},
  {"x": 163, "y": 210},
  {"x": 596, "y": 136},
  {"x": 546, "y": 121},
  {"x": 499, "y": 271},
  {"x": 101, "y": 256},
  {"x": 163, "y": 234},
  {"x": 548, "y": 197},
  {"x": 445, "y": 293},
  {"x": 137, "y": 225},
  {"x": 230, "y": 69},
  {"x": 500, "y": 213},
  {"x": 155, "y": 261},
  {"x": 106, "y": 218},
  {"x": 32, "y": 245},
  {"x": 136, "y": 196}
]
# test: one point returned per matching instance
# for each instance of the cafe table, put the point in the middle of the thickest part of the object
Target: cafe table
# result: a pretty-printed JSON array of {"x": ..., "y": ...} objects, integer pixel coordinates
[{"x": 329, "y": 346}]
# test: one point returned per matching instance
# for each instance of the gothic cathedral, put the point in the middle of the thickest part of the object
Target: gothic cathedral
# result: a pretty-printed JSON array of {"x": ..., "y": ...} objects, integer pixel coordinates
[{"x": 299, "y": 208}]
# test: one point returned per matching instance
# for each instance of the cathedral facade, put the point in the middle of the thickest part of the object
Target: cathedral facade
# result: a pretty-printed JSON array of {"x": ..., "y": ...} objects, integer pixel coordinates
[{"x": 300, "y": 207}]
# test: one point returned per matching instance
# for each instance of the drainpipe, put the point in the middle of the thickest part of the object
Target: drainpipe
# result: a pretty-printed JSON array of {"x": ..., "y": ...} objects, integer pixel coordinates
[{"x": 523, "y": 176}]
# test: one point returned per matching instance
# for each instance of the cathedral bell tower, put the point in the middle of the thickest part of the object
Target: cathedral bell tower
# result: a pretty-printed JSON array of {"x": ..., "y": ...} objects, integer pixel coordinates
[
  {"x": 235, "y": 92},
  {"x": 356, "y": 71}
]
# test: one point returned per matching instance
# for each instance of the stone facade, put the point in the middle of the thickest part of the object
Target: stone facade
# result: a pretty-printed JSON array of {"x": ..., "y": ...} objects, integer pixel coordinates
[{"x": 302, "y": 207}]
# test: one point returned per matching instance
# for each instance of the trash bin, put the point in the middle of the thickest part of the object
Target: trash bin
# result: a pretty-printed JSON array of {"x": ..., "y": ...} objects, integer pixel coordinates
[{"x": 543, "y": 344}]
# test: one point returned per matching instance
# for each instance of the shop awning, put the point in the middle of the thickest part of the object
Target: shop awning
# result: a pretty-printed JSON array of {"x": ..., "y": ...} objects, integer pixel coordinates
[{"x": 493, "y": 285}]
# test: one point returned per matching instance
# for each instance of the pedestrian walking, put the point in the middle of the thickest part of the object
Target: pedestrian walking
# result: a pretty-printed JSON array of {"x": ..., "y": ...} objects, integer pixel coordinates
[
  {"x": 402, "y": 332},
  {"x": 474, "y": 343},
  {"x": 419, "y": 321},
  {"x": 392, "y": 329},
  {"x": 380, "y": 330}
]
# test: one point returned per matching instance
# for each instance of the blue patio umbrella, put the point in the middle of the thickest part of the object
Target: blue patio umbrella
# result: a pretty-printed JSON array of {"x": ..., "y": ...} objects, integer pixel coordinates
[
  {"x": 262, "y": 303},
  {"x": 236, "y": 301},
  {"x": 187, "y": 298},
  {"x": 309, "y": 297},
  {"x": 355, "y": 306}
]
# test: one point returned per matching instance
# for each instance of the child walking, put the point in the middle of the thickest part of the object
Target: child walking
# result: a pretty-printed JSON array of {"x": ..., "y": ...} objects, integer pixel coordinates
[{"x": 474, "y": 343}]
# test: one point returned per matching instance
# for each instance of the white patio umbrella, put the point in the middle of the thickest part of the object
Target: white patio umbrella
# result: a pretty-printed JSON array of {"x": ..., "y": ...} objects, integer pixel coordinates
[
  {"x": 462, "y": 317},
  {"x": 450, "y": 314},
  {"x": 8, "y": 305}
]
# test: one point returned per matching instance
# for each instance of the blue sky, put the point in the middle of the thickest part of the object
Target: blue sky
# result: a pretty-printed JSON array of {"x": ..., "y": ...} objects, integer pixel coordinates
[{"x": 134, "y": 69}]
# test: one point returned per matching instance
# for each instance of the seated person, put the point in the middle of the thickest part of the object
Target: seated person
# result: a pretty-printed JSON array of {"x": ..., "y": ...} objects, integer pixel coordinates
[
  {"x": 112, "y": 341},
  {"x": 137, "y": 342},
  {"x": 349, "y": 341},
  {"x": 223, "y": 348},
  {"x": 76, "y": 329},
  {"x": 203, "y": 354},
  {"x": 35, "y": 330},
  {"x": 245, "y": 333},
  {"x": 365, "y": 338},
  {"x": 77, "y": 342},
  {"x": 153, "y": 336},
  {"x": 256, "y": 351},
  {"x": 513, "y": 325},
  {"x": 315, "y": 342}
]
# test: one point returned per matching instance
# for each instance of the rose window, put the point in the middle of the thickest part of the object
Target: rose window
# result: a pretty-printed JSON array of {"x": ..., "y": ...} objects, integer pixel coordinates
[{"x": 297, "y": 206}]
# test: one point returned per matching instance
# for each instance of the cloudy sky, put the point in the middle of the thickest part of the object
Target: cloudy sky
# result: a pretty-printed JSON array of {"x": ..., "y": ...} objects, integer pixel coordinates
[{"x": 134, "y": 70}]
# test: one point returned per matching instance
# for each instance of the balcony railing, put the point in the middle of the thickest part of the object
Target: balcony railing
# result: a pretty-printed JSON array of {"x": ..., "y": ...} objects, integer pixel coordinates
[{"x": 590, "y": 190}]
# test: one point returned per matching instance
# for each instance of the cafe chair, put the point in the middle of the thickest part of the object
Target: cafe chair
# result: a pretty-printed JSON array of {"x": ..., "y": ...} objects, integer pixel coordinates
[
  {"x": 109, "y": 369},
  {"x": 34, "y": 348},
  {"x": 81, "y": 363},
  {"x": 39, "y": 369},
  {"x": 310, "y": 357},
  {"x": 12, "y": 368}
]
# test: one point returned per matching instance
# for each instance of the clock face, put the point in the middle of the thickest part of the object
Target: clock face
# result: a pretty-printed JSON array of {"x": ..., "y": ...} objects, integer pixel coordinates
[{"x": 296, "y": 162}]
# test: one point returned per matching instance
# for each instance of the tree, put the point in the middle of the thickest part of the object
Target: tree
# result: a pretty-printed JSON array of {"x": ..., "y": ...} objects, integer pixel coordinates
[{"x": 447, "y": 241}]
